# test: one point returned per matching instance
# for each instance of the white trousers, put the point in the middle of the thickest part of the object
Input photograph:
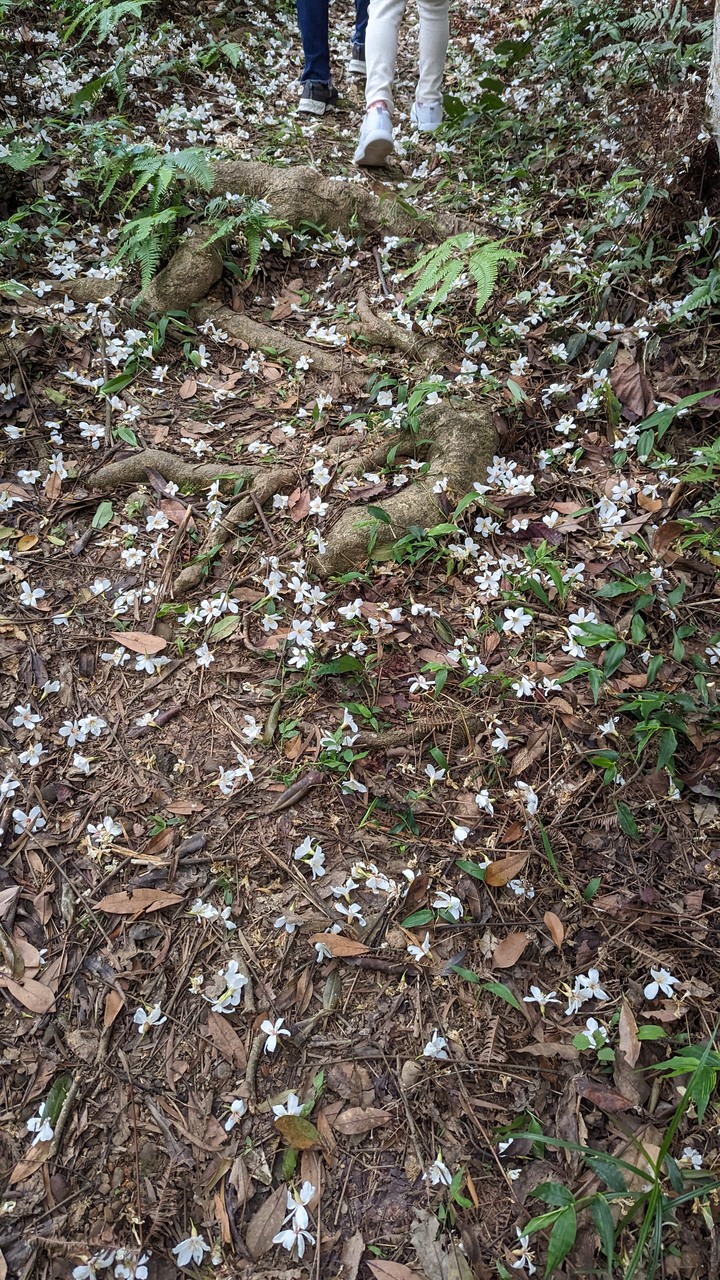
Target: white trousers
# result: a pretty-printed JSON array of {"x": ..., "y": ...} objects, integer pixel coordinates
[{"x": 381, "y": 45}]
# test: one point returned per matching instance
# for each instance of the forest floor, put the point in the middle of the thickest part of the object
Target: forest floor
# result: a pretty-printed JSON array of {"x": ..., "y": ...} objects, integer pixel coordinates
[{"x": 361, "y": 923}]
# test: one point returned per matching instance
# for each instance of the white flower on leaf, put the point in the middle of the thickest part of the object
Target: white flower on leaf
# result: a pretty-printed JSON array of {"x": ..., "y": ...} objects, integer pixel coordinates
[
  {"x": 483, "y": 802},
  {"x": 203, "y": 656},
  {"x": 590, "y": 985},
  {"x": 435, "y": 775},
  {"x": 25, "y": 717},
  {"x": 203, "y": 910},
  {"x": 191, "y": 1249},
  {"x": 523, "y": 1254},
  {"x": 460, "y": 833},
  {"x": 690, "y": 1159},
  {"x": 661, "y": 981},
  {"x": 529, "y": 797},
  {"x": 234, "y": 980},
  {"x": 41, "y": 1127},
  {"x": 537, "y": 997},
  {"x": 294, "y": 1237},
  {"x": 273, "y": 1030},
  {"x": 312, "y": 856},
  {"x": 145, "y": 1019},
  {"x": 436, "y": 1047},
  {"x": 26, "y": 823},
  {"x": 500, "y": 742},
  {"x": 238, "y": 1109},
  {"x": 449, "y": 903}
]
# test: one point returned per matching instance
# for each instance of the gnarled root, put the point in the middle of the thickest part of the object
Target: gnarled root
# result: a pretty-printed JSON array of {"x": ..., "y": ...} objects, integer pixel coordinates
[
  {"x": 262, "y": 335},
  {"x": 462, "y": 443},
  {"x": 300, "y": 194},
  {"x": 383, "y": 333},
  {"x": 192, "y": 476},
  {"x": 189, "y": 275},
  {"x": 267, "y": 483}
]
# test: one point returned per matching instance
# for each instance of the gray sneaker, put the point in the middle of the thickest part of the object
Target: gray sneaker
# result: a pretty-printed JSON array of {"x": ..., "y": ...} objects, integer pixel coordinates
[
  {"x": 356, "y": 65},
  {"x": 426, "y": 116},
  {"x": 317, "y": 99},
  {"x": 376, "y": 138}
]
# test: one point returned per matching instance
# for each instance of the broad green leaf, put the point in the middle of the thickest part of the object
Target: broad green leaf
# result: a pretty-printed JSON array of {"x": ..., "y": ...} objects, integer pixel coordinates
[
  {"x": 103, "y": 515},
  {"x": 613, "y": 657},
  {"x": 554, "y": 1193},
  {"x": 668, "y": 746},
  {"x": 225, "y": 627},
  {"x": 504, "y": 993},
  {"x": 562, "y": 1239},
  {"x": 471, "y": 869},
  {"x": 626, "y": 820},
  {"x": 418, "y": 918},
  {"x": 604, "y": 1225},
  {"x": 378, "y": 514}
]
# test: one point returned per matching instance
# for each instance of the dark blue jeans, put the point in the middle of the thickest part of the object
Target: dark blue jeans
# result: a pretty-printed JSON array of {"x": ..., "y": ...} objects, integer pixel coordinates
[{"x": 313, "y": 19}]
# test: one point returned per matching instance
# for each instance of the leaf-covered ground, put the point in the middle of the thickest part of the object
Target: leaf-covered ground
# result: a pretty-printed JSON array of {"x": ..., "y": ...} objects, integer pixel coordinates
[{"x": 325, "y": 901}]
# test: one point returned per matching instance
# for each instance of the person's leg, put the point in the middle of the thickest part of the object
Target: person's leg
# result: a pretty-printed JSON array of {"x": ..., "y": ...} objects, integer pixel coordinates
[
  {"x": 381, "y": 43},
  {"x": 314, "y": 25},
  {"x": 434, "y": 37},
  {"x": 357, "y": 63},
  {"x": 361, "y": 21}
]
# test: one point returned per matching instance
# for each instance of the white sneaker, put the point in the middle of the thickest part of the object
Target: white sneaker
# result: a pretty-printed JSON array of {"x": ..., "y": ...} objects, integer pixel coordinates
[
  {"x": 426, "y": 116},
  {"x": 376, "y": 138}
]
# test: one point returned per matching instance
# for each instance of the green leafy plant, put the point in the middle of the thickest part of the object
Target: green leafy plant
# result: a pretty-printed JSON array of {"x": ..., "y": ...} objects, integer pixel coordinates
[
  {"x": 99, "y": 19},
  {"x": 648, "y": 1200},
  {"x": 440, "y": 270}
]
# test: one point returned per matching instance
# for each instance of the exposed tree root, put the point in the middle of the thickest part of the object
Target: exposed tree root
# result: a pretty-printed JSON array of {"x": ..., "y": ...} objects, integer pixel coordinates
[
  {"x": 189, "y": 275},
  {"x": 192, "y": 476},
  {"x": 300, "y": 194},
  {"x": 383, "y": 333},
  {"x": 262, "y": 335},
  {"x": 459, "y": 444},
  {"x": 267, "y": 483}
]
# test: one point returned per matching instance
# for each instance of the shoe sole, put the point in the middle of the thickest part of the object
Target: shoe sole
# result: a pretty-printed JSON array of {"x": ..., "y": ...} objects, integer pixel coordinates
[
  {"x": 356, "y": 67},
  {"x": 374, "y": 150},
  {"x": 309, "y": 107}
]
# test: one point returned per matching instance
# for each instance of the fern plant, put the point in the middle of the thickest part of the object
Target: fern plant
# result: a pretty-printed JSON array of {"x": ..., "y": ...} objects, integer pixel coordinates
[
  {"x": 465, "y": 254},
  {"x": 145, "y": 239},
  {"x": 99, "y": 18}
]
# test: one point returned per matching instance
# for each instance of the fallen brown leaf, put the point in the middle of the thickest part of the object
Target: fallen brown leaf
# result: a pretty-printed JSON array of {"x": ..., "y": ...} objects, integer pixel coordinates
[
  {"x": 551, "y": 1049},
  {"x": 627, "y": 1034},
  {"x": 298, "y": 1132},
  {"x": 221, "y": 1215},
  {"x": 265, "y": 1223},
  {"x": 299, "y": 504},
  {"x": 139, "y": 641},
  {"x": 132, "y": 902},
  {"x": 555, "y": 928},
  {"x": 509, "y": 951},
  {"x": 505, "y": 869},
  {"x": 352, "y": 1253},
  {"x": 240, "y": 1180},
  {"x": 338, "y": 945},
  {"x": 188, "y": 389},
  {"x": 226, "y": 1040},
  {"x": 602, "y": 1096},
  {"x": 32, "y": 995},
  {"x": 360, "y": 1120},
  {"x": 383, "y": 1270}
]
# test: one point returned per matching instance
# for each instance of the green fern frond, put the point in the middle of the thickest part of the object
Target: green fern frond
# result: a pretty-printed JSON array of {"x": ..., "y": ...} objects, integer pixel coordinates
[
  {"x": 441, "y": 268},
  {"x": 195, "y": 165}
]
